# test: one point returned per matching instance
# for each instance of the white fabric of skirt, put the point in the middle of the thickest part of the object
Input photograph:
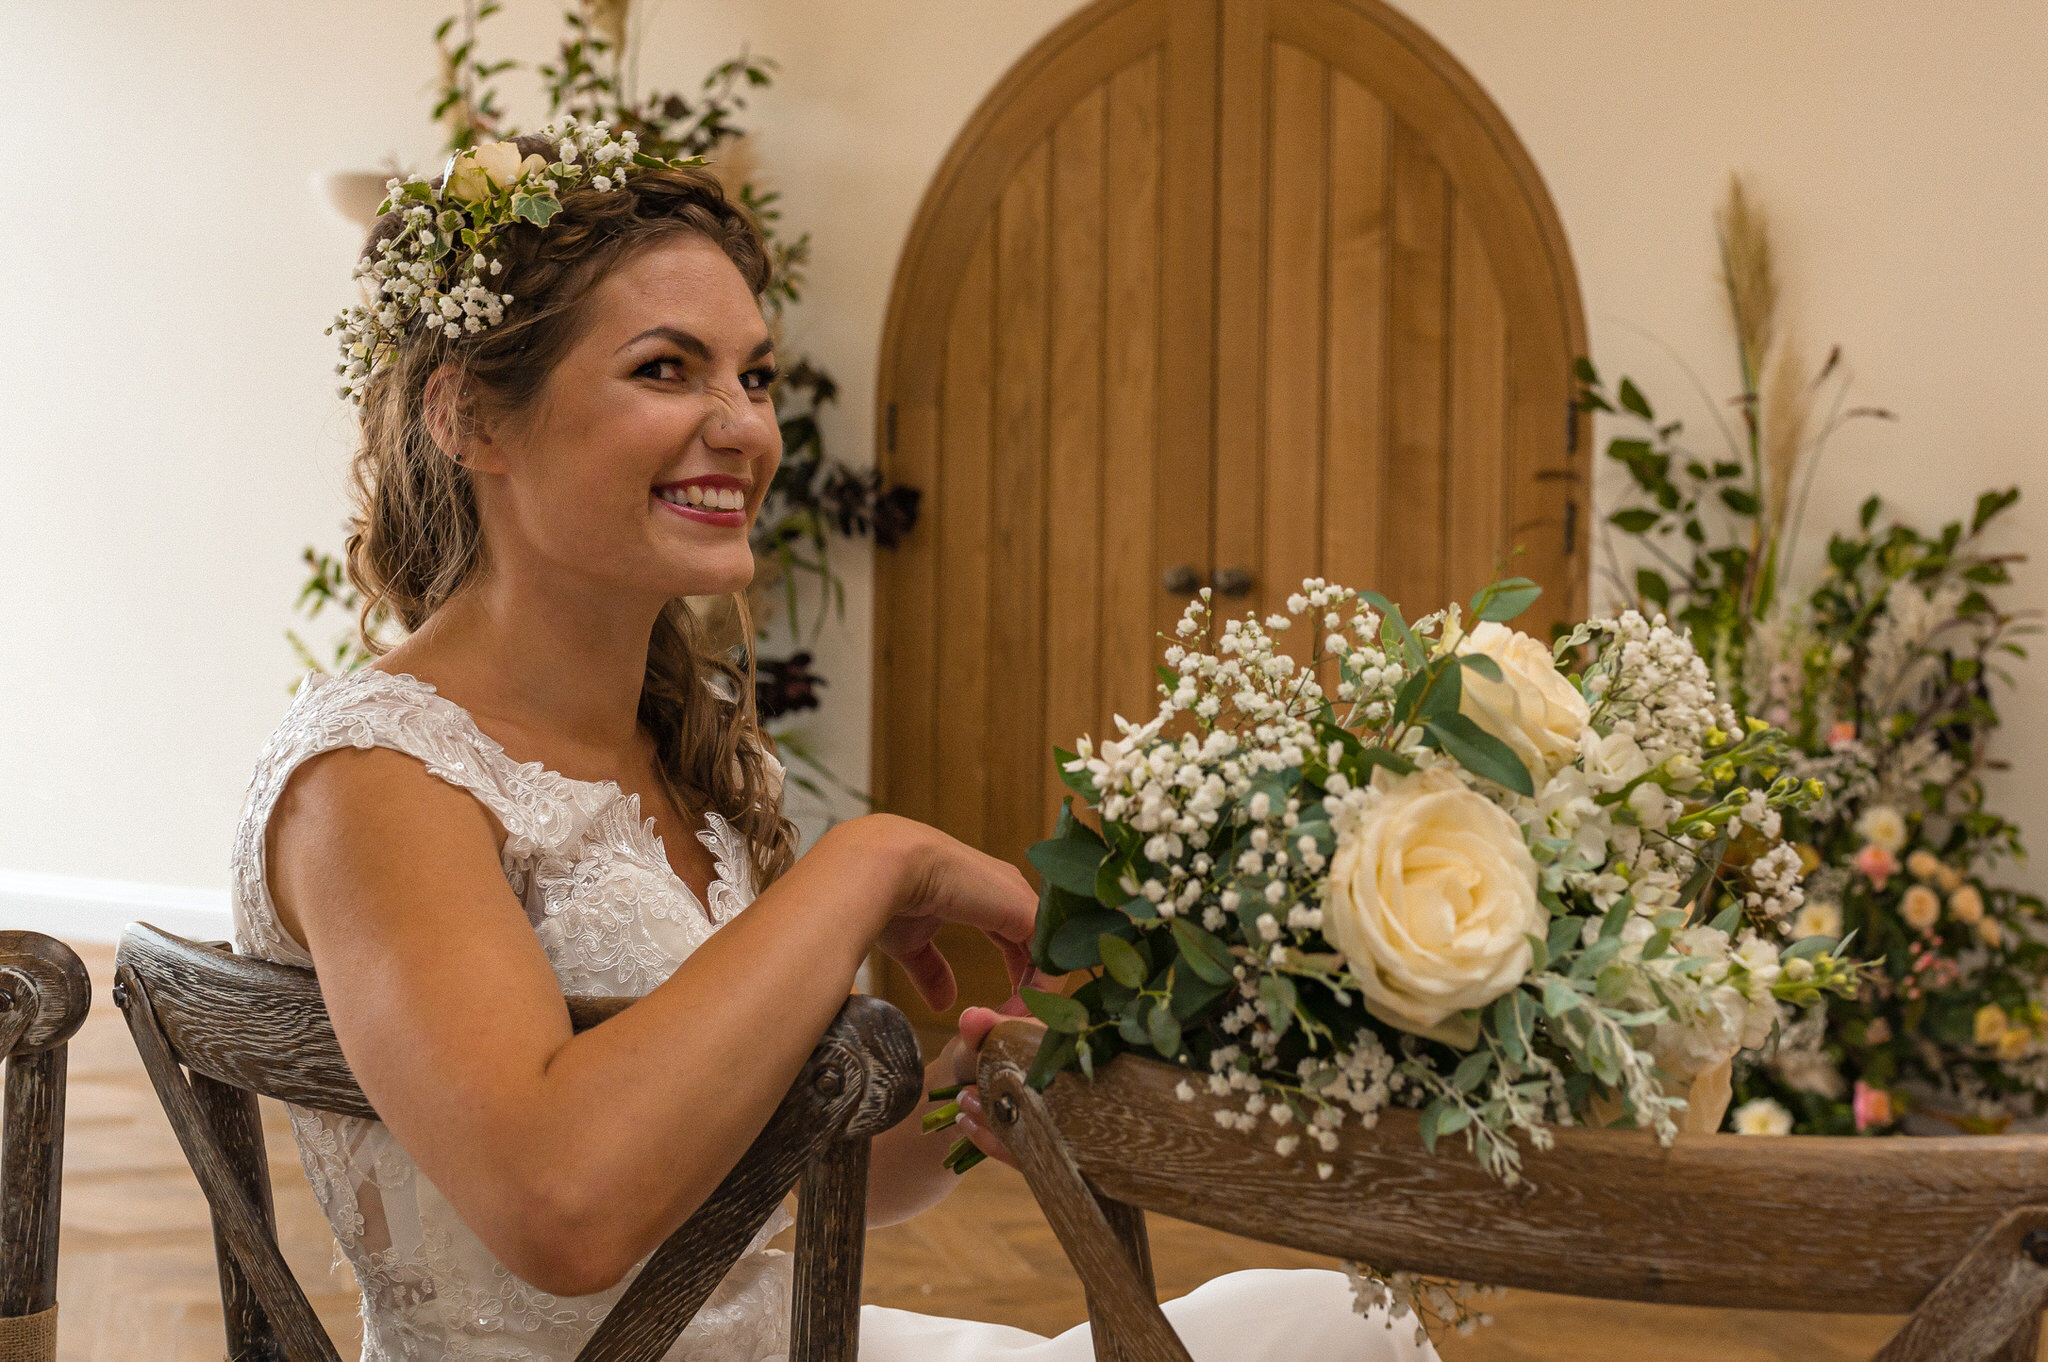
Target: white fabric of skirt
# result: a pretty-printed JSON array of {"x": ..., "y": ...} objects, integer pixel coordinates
[{"x": 1260, "y": 1315}]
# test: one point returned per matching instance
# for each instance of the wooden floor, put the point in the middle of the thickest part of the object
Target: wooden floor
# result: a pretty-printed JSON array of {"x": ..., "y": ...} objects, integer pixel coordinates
[{"x": 137, "y": 1267}]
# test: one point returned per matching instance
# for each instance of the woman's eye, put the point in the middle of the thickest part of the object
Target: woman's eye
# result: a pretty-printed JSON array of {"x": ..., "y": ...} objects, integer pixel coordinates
[
  {"x": 760, "y": 380},
  {"x": 653, "y": 368}
]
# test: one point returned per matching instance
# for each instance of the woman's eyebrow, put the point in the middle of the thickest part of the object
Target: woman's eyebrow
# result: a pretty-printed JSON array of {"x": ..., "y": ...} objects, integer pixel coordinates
[{"x": 693, "y": 347}]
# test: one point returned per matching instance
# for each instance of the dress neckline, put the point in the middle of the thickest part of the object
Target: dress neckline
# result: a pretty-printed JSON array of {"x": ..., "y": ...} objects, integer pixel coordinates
[{"x": 714, "y": 836}]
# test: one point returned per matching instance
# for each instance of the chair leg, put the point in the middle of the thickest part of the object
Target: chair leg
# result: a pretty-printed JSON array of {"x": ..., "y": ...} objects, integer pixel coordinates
[
  {"x": 31, "y": 1180},
  {"x": 1981, "y": 1311},
  {"x": 831, "y": 1237},
  {"x": 1123, "y": 1313},
  {"x": 238, "y": 1129},
  {"x": 236, "y": 1216},
  {"x": 1127, "y": 1223}
]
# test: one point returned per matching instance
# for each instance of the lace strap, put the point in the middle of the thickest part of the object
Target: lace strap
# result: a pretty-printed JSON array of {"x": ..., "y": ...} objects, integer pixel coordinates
[{"x": 537, "y": 808}]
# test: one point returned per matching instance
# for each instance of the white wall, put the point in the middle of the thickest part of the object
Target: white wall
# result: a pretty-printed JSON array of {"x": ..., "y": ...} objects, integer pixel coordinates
[{"x": 169, "y": 437}]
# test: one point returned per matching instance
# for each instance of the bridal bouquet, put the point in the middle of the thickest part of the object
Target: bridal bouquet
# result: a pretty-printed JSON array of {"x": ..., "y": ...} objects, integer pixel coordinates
[{"x": 1437, "y": 865}]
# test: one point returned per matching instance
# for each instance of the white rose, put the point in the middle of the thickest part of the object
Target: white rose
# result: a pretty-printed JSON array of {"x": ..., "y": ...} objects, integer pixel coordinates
[
  {"x": 1884, "y": 825},
  {"x": 1532, "y": 708},
  {"x": 1431, "y": 895},
  {"x": 1818, "y": 918},
  {"x": 484, "y": 170},
  {"x": 1762, "y": 1116},
  {"x": 1612, "y": 761}
]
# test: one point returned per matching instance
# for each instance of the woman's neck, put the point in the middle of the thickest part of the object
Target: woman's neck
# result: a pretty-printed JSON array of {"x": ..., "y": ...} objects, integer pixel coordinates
[{"x": 546, "y": 663}]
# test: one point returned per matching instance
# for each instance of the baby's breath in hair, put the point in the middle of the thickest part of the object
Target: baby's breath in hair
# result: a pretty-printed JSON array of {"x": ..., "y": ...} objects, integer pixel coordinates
[{"x": 437, "y": 265}]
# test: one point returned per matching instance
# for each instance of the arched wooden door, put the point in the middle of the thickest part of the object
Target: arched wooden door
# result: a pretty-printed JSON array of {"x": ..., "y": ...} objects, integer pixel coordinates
[{"x": 1231, "y": 291}]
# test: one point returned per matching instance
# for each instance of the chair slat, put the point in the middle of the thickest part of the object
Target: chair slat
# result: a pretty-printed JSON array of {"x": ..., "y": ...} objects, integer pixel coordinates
[
  {"x": 1811, "y": 1223},
  {"x": 261, "y": 1026}
]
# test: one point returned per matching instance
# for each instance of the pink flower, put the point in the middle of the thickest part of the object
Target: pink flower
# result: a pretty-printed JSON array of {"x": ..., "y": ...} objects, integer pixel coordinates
[
  {"x": 1876, "y": 863},
  {"x": 1841, "y": 735},
  {"x": 1873, "y": 1106}
]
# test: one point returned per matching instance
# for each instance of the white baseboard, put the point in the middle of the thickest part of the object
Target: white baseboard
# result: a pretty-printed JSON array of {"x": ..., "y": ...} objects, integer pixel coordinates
[{"x": 75, "y": 908}]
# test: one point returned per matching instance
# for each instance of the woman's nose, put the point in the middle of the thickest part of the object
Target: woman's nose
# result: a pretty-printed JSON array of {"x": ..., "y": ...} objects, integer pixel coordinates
[{"x": 738, "y": 422}]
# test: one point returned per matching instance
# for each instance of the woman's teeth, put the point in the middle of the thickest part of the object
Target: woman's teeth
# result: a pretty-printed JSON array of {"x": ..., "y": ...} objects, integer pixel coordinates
[{"x": 706, "y": 498}]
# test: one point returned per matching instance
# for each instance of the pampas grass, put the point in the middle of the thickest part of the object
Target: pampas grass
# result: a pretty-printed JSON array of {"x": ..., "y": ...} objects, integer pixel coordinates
[
  {"x": 1750, "y": 276},
  {"x": 1784, "y": 410}
]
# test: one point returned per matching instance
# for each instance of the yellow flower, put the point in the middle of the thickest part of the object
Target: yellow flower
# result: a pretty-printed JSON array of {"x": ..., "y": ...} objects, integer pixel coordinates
[
  {"x": 1921, "y": 908},
  {"x": 1989, "y": 1027},
  {"x": 1966, "y": 905},
  {"x": 1924, "y": 864},
  {"x": 1990, "y": 933},
  {"x": 2015, "y": 1042}
]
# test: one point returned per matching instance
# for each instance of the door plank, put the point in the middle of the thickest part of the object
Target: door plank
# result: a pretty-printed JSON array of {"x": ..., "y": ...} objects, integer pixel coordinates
[
  {"x": 1476, "y": 549},
  {"x": 1291, "y": 472},
  {"x": 1412, "y": 522},
  {"x": 1074, "y": 453},
  {"x": 1185, "y": 346},
  {"x": 1013, "y": 745},
  {"x": 1132, "y": 448},
  {"x": 1354, "y": 365},
  {"x": 903, "y": 770},
  {"x": 962, "y": 617},
  {"x": 1242, "y": 143}
]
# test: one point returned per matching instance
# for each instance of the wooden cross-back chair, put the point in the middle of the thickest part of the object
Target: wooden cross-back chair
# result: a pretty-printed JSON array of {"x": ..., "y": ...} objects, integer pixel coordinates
[
  {"x": 44, "y": 996},
  {"x": 1952, "y": 1231},
  {"x": 216, "y": 1030}
]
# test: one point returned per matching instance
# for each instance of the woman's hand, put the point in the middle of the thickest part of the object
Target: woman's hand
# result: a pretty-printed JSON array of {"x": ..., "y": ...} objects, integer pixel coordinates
[
  {"x": 944, "y": 880},
  {"x": 965, "y": 1050}
]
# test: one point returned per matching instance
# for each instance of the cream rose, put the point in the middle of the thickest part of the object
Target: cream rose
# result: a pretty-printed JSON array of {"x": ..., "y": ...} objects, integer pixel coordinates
[
  {"x": 483, "y": 170},
  {"x": 1431, "y": 895},
  {"x": 1532, "y": 708}
]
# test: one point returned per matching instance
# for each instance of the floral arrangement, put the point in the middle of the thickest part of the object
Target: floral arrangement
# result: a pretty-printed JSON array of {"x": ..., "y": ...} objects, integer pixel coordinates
[
  {"x": 1881, "y": 673},
  {"x": 1439, "y": 865},
  {"x": 1463, "y": 877},
  {"x": 1884, "y": 681},
  {"x": 438, "y": 265}
]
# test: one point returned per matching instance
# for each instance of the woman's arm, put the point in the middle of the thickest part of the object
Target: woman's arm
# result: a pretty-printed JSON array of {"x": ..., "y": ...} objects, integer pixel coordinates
[{"x": 572, "y": 1156}]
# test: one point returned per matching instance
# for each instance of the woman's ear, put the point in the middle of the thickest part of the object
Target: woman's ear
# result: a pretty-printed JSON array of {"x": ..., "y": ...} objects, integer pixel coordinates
[{"x": 452, "y": 420}]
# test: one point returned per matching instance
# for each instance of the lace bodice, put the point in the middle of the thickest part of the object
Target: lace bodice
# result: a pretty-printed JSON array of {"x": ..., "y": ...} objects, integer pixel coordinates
[{"x": 613, "y": 919}]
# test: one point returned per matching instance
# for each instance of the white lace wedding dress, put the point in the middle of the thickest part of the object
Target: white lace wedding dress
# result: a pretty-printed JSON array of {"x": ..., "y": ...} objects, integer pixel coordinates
[{"x": 614, "y": 919}]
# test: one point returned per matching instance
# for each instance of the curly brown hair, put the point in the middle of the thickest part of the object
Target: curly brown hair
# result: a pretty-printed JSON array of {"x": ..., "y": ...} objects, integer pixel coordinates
[{"x": 414, "y": 540}]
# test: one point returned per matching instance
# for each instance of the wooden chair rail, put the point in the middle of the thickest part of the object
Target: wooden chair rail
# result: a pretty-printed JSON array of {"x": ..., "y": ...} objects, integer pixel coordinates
[
  {"x": 243, "y": 1027},
  {"x": 44, "y": 996},
  {"x": 1953, "y": 1229}
]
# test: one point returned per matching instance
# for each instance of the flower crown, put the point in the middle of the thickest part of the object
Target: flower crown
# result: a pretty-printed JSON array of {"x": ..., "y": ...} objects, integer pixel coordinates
[{"x": 437, "y": 264}]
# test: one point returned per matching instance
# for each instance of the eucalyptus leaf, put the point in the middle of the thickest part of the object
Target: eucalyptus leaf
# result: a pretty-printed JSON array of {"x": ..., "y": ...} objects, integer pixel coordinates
[
  {"x": 1480, "y": 752},
  {"x": 1204, "y": 952},
  {"x": 1056, "y": 1011},
  {"x": 1069, "y": 862},
  {"x": 1121, "y": 959}
]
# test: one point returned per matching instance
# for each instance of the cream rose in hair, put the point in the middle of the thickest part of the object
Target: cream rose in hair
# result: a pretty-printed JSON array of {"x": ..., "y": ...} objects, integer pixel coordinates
[
  {"x": 1431, "y": 898},
  {"x": 486, "y": 169},
  {"x": 1532, "y": 708}
]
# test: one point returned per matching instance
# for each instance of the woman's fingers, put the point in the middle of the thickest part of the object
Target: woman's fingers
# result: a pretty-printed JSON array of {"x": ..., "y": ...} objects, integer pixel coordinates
[
  {"x": 975, "y": 1125},
  {"x": 931, "y": 976}
]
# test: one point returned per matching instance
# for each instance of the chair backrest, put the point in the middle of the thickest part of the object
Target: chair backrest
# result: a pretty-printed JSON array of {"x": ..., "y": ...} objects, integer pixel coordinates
[
  {"x": 241, "y": 1028},
  {"x": 44, "y": 996},
  {"x": 1857, "y": 1226}
]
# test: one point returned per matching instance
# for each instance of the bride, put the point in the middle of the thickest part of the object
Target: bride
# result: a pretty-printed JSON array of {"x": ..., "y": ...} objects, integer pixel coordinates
[{"x": 554, "y": 784}]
